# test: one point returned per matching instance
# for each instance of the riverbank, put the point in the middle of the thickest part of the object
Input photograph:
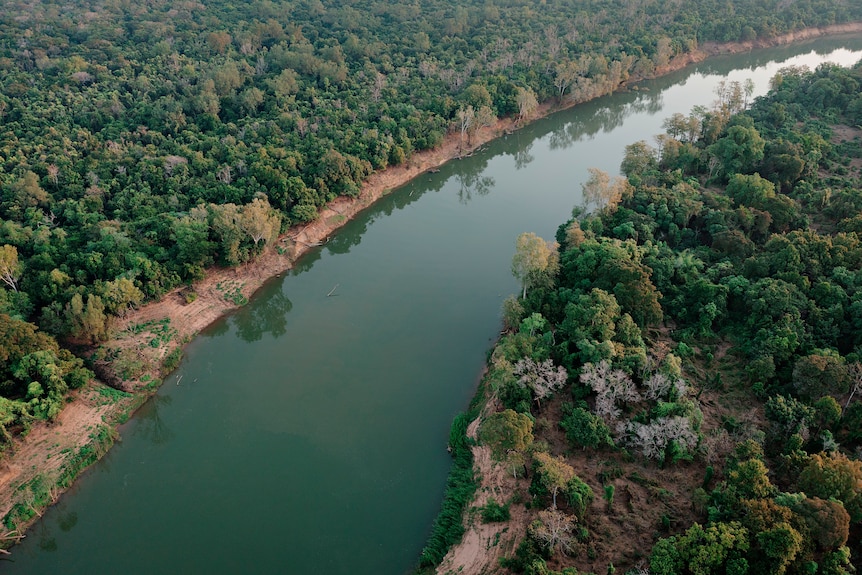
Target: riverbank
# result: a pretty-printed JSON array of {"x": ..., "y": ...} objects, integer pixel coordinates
[{"x": 149, "y": 337}]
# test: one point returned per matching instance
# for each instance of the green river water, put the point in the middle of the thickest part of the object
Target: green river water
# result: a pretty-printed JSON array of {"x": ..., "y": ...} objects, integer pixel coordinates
[{"x": 307, "y": 434}]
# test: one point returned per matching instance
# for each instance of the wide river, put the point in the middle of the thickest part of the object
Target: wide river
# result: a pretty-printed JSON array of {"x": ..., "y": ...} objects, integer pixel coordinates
[{"x": 307, "y": 434}]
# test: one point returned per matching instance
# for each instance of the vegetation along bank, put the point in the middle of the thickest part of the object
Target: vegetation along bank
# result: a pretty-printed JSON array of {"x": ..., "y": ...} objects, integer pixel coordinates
[{"x": 678, "y": 387}]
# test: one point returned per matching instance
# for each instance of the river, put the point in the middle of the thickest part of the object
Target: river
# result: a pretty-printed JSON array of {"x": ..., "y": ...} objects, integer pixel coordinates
[{"x": 307, "y": 433}]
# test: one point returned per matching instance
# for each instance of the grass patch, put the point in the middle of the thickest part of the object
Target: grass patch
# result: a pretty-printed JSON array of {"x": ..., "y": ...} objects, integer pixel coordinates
[
  {"x": 43, "y": 490},
  {"x": 111, "y": 395},
  {"x": 232, "y": 292},
  {"x": 493, "y": 512},
  {"x": 172, "y": 361},
  {"x": 460, "y": 488}
]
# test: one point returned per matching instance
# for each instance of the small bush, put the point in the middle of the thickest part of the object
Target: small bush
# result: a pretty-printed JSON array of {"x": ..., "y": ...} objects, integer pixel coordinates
[
  {"x": 493, "y": 512},
  {"x": 172, "y": 360}
]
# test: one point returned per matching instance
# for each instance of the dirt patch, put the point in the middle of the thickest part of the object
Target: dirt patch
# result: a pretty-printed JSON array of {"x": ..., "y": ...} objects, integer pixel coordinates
[
  {"x": 47, "y": 448},
  {"x": 843, "y": 133},
  {"x": 484, "y": 544}
]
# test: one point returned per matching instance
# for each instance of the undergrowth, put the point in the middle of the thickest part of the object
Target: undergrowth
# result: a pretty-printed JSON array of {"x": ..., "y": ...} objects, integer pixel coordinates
[
  {"x": 43, "y": 489},
  {"x": 461, "y": 486}
]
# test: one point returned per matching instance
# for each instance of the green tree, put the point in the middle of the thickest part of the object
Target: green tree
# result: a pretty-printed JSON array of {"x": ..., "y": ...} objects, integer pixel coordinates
[
  {"x": 553, "y": 473},
  {"x": 87, "y": 321},
  {"x": 780, "y": 545},
  {"x": 738, "y": 152},
  {"x": 583, "y": 429},
  {"x": 640, "y": 158},
  {"x": 10, "y": 268},
  {"x": 817, "y": 375},
  {"x": 259, "y": 221},
  {"x": 702, "y": 551},
  {"x": 120, "y": 296},
  {"x": 829, "y": 475},
  {"x": 534, "y": 262},
  {"x": 506, "y": 431},
  {"x": 750, "y": 190}
]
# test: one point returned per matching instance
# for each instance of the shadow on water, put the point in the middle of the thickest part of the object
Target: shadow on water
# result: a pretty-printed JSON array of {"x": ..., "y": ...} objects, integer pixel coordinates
[
  {"x": 150, "y": 424},
  {"x": 269, "y": 317},
  {"x": 723, "y": 65},
  {"x": 585, "y": 121},
  {"x": 563, "y": 129}
]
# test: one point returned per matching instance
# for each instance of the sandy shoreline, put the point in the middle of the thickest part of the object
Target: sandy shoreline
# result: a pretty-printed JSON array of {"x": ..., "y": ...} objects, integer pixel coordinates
[{"x": 46, "y": 447}]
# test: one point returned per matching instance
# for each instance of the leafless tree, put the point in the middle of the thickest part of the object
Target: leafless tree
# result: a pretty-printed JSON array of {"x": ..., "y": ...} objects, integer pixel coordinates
[
  {"x": 555, "y": 530},
  {"x": 855, "y": 370},
  {"x": 466, "y": 117},
  {"x": 377, "y": 86},
  {"x": 53, "y": 173}
]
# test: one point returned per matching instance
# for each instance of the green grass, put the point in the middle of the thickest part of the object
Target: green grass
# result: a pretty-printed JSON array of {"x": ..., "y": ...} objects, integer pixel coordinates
[
  {"x": 493, "y": 512},
  {"x": 172, "y": 361},
  {"x": 232, "y": 292},
  {"x": 460, "y": 488},
  {"x": 40, "y": 491},
  {"x": 111, "y": 395}
]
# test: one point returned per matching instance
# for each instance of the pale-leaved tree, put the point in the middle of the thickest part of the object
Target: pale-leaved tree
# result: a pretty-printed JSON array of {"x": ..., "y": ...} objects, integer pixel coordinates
[
  {"x": 535, "y": 261},
  {"x": 653, "y": 438},
  {"x": 554, "y": 473},
  {"x": 660, "y": 386},
  {"x": 10, "y": 269},
  {"x": 527, "y": 103},
  {"x": 555, "y": 531},
  {"x": 541, "y": 378},
  {"x": 613, "y": 387},
  {"x": 603, "y": 192}
]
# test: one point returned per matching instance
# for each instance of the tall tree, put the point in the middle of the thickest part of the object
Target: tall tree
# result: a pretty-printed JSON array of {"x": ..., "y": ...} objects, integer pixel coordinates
[
  {"x": 602, "y": 191},
  {"x": 541, "y": 378},
  {"x": 534, "y": 260},
  {"x": 527, "y": 103},
  {"x": 259, "y": 221},
  {"x": 505, "y": 432},
  {"x": 554, "y": 474},
  {"x": 10, "y": 269}
]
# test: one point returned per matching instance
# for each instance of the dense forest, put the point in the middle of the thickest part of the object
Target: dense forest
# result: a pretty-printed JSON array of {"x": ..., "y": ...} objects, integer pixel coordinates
[
  {"x": 141, "y": 143},
  {"x": 678, "y": 390}
]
